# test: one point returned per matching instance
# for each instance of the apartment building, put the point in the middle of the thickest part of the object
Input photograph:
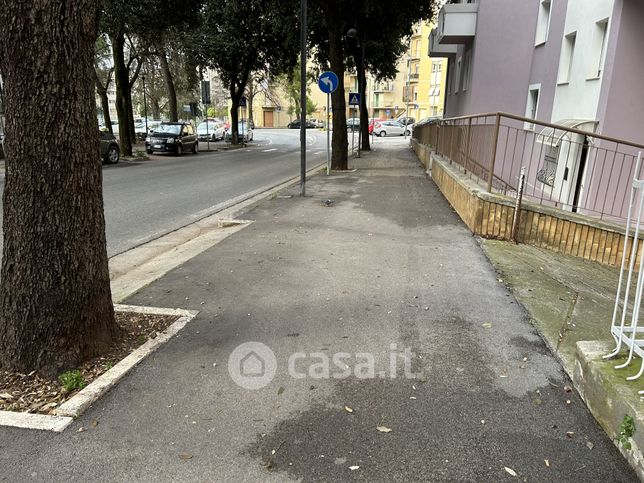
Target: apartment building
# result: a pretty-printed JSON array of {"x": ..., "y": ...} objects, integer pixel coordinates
[
  {"x": 550, "y": 60},
  {"x": 418, "y": 90},
  {"x": 575, "y": 63}
]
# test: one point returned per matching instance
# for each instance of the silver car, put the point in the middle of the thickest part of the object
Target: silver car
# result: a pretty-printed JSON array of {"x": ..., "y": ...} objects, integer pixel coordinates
[
  {"x": 211, "y": 131},
  {"x": 391, "y": 128},
  {"x": 244, "y": 131}
]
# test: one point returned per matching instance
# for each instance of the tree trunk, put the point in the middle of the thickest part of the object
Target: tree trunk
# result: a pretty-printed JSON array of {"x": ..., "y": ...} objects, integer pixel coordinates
[
  {"x": 234, "y": 114},
  {"x": 169, "y": 84},
  {"x": 340, "y": 143},
  {"x": 155, "y": 108},
  {"x": 364, "y": 110},
  {"x": 249, "y": 101},
  {"x": 123, "y": 102},
  {"x": 55, "y": 300},
  {"x": 105, "y": 102}
]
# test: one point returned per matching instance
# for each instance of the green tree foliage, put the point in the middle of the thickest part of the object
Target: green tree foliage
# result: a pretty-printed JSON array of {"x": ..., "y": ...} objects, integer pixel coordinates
[
  {"x": 382, "y": 29},
  {"x": 135, "y": 29},
  {"x": 239, "y": 37}
]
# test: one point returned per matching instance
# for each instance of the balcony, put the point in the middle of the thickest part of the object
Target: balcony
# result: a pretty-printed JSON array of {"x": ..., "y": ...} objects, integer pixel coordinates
[
  {"x": 413, "y": 77},
  {"x": 457, "y": 23},
  {"x": 437, "y": 50},
  {"x": 383, "y": 87}
]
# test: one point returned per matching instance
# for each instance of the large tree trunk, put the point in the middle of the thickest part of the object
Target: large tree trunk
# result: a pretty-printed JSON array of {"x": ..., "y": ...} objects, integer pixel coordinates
[
  {"x": 55, "y": 291},
  {"x": 249, "y": 101},
  {"x": 123, "y": 98},
  {"x": 169, "y": 84},
  {"x": 235, "y": 97},
  {"x": 339, "y": 158}
]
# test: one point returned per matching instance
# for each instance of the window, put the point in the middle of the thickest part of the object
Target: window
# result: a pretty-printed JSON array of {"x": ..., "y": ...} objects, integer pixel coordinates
[
  {"x": 532, "y": 105},
  {"x": 465, "y": 76},
  {"x": 598, "y": 49},
  {"x": 458, "y": 75},
  {"x": 567, "y": 57},
  {"x": 543, "y": 22}
]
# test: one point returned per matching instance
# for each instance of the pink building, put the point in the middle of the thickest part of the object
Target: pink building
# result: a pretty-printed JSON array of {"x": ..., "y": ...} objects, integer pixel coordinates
[{"x": 576, "y": 63}]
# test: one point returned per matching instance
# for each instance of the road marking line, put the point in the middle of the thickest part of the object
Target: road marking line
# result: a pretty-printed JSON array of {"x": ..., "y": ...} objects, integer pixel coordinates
[{"x": 269, "y": 150}]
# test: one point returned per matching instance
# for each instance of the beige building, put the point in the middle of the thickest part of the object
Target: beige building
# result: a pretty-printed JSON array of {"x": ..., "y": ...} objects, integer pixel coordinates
[{"x": 420, "y": 76}]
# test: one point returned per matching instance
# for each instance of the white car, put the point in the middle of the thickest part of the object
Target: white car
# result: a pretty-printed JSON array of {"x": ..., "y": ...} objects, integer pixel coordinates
[
  {"x": 391, "y": 128},
  {"x": 244, "y": 130},
  {"x": 139, "y": 128},
  {"x": 211, "y": 131}
]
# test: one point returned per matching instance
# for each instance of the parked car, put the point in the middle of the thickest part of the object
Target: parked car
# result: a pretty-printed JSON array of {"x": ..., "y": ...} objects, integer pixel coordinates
[
  {"x": 405, "y": 120},
  {"x": 110, "y": 152},
  {"x": 211, "y": 131},
  {"x": 139, "y": 128},
  {"x": 244, "y": 131},
  {"x": 353, "y": 124},
  {"x": 296, "y": 124},
  {"x": 373, "y": 122},
  {"x": 390, "y": 128},
  {"x": 173, "y": 137},
  {"x": 317, "y": 123}
]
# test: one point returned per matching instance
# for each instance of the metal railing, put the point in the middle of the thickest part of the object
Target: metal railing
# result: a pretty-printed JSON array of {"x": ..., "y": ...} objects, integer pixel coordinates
[{"x": 568, "y": 168}]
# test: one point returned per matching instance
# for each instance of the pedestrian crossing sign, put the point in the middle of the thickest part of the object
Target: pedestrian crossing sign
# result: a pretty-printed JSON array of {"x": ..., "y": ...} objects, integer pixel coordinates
[{"x": 354, "y": 99}]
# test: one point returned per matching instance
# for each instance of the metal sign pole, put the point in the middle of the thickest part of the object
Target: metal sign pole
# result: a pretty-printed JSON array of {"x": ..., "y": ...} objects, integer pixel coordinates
[
  {"x": 353, "y": 130},
  {"x": 303, "y": 57},
  {"x": 328, "y": 136}
]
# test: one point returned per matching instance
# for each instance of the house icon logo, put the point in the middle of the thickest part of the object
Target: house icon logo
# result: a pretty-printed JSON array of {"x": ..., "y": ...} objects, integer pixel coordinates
[{"x": 252, "y": 365}]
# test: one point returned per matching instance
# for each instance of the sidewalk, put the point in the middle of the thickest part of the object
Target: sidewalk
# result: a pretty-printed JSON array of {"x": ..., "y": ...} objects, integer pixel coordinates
[{"x": 387, "y": 263}]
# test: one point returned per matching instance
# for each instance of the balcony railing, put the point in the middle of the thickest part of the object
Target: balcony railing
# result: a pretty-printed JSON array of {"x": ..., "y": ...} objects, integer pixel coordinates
[
  {"x": 439, "y": 50},
  {"x": 457, "y": 23}
]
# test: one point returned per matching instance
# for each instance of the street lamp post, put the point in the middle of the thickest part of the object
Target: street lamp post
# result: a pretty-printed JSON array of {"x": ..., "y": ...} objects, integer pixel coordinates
[
  {"x": 145, "y": 106},
  {"x": 303, "y": 56}
]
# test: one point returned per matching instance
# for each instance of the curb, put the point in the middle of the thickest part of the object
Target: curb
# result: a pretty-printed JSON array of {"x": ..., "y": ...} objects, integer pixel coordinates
[{"x": 65, "y": 414}]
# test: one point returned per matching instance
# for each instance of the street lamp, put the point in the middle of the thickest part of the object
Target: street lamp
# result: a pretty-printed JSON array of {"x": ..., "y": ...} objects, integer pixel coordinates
[
  {"x": 145, "y": 106},
  {"x": 303, "y": 57}
]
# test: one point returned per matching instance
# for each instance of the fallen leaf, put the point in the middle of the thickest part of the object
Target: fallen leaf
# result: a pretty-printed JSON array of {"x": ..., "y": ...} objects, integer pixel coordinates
[
  {"x": 94, "y": 423},
  {"x": 486, "y": 325},
  {"x": 383, "y": 429},
  {"x": 353, "y": 468},
  {"x": 510, "y": 471},
  {"x": 590, "y": 445},
  {"x": 547, "y": 463},
  {"x": 570, "y": 434},
  {"x": 80, "y": 430},
  {"x": 280, "y": 391},
  {"x": 348, "y": 409},
  {"x": 5, "y": 395},
  {"x": 567, "y": 388},
  {"x": 185, "y": 456}
]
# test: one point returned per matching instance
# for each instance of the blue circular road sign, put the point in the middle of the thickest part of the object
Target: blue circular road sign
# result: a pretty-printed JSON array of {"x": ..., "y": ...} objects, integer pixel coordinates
[{"x": 328, "y": 82}]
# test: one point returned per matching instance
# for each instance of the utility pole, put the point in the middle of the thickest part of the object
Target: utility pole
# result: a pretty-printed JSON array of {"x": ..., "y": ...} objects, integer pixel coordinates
[
  {"x": 303, "y": 28},
  {"x": 408, "y": 84}
]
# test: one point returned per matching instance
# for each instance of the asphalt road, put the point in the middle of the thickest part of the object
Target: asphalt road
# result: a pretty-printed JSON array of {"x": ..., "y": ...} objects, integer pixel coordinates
[{"x": 146, "y": 199}]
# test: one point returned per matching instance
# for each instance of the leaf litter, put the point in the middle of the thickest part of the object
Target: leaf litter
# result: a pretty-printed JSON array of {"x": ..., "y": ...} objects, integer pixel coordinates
[{"x": 31, "y": 393}]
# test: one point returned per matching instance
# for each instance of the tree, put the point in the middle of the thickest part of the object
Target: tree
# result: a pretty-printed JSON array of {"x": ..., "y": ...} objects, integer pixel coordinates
[
  {"x": 55, "y": 301},
  {"x": 239, "y": 37},
  {"x": 134, "y": 28},
  {"x": 104, "y": 72},
  {"x": 381, "y": 29}
]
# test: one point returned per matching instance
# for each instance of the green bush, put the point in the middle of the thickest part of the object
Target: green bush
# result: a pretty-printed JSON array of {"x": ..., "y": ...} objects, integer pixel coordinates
[{"x": 72, "y": 380}]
